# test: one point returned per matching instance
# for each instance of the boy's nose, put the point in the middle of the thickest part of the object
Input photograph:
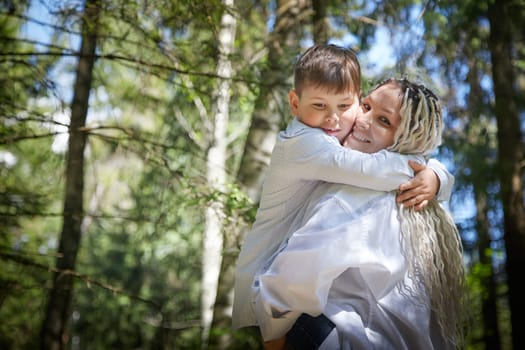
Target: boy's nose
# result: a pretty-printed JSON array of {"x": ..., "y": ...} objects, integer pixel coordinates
[{"x": 332, "y": 117}]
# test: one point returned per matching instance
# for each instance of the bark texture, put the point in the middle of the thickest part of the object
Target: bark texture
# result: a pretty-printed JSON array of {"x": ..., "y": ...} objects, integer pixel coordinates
[
  {"x": 271, "y": 113},
  {"x": 216, "y": 173},
  {"x": 54, "y": 331},
  {"x": 510, "y": 156}
]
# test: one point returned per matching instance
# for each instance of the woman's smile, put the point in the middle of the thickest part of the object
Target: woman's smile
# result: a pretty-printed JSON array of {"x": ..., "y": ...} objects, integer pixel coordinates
[{"x": 358, "y": 136}]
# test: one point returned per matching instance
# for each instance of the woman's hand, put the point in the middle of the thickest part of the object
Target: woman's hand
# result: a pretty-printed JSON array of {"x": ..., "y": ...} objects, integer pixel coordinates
[{"x": 421, "y": 189}]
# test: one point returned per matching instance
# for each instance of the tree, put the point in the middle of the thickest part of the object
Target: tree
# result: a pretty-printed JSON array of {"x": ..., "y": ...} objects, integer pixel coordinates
[
  {"x": 267, "y": 119},
  {"x": 154, "y": 102},
  {"x": 216, "y": 170},
  {"x": 271, "y": 104},
  {"x": 501, "y": 15},
  {"x": 479, "y": 153},
  {"x": 474, "y": 148},
  {"x": 54, "y": 327},
  {"x": 320, "y": 22}
]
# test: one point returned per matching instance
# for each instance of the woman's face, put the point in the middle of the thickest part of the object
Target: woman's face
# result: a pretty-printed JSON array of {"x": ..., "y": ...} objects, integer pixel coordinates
[{"x": 377, "y": 121}]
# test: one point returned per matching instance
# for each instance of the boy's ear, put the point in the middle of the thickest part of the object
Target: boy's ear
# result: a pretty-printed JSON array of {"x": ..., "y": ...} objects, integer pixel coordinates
[{"x": 293, "y": 98}]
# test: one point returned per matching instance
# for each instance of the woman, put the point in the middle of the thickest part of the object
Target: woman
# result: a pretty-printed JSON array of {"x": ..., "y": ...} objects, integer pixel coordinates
[{"x": 375, "y": 276}]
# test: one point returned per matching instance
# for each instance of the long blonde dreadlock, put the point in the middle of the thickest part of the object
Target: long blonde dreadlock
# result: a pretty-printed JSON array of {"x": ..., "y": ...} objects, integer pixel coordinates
[{"x": 431, "y": 241}]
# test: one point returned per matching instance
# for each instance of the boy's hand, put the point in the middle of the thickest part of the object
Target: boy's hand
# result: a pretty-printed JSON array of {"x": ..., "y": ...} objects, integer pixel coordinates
[{"x": 421, "y": 189}]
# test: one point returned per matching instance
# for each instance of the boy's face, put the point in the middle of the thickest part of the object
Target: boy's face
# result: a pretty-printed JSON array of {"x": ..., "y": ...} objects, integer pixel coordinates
[
  {"x": 377, "y": 121},
  {"x": 318, "y": 108}
]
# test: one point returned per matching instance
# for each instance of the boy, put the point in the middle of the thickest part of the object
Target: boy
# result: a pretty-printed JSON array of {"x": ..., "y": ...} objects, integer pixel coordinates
[{"x": 326, "y": 96}]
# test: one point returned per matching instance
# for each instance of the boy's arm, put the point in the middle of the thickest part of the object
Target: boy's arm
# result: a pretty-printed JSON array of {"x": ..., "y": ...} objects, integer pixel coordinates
[
  {"x": 317, "y": 156},
  {"x": 428, "y": 182},
  {"x": 446, "y": 179}
]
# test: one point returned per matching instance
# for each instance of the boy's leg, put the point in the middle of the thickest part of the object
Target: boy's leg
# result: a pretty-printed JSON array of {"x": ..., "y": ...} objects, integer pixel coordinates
[
  {"x": 276, "y": 344},
  {"x": 308, "y": 332}
]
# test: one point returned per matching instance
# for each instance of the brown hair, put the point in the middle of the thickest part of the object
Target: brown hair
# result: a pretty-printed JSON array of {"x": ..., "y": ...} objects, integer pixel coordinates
[{"x": 330, "y": 66}]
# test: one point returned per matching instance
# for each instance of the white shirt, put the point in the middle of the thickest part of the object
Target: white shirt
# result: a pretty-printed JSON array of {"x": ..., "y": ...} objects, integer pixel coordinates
[
  {"x": 301, "y": 158},
  {"x": 346, "y": 261}
]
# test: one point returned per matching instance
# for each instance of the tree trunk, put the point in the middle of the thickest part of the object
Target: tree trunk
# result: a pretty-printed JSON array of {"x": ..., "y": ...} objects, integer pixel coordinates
[
  {"x": 510, "y": 155},
  {"x": 320, "y": 22},
  {"x": 216, "y": 173},
  {"x": 54, "y": 333},
  {"x": 268, "y": 118},
  {"x": 480, "y": 154},
  {"x": 489, "y": 309},
  {"x": 271, "y": 104}
]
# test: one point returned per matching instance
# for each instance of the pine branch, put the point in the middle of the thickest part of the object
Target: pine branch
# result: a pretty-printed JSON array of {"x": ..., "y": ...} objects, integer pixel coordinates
[{"x": 20, "y": 259}]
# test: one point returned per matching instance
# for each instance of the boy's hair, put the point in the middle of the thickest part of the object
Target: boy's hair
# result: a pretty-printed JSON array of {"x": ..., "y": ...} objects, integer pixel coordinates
[{"x": 329, "y": 66}]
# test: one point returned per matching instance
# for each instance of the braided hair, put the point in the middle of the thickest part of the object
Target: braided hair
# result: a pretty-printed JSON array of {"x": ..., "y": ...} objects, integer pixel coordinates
[
  {"x": 430, "y": 239},
  {"x": 421, "y": 120}
]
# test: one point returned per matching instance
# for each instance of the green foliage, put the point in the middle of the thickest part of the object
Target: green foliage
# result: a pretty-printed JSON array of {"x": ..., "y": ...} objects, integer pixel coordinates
[
  {"x": 477, "y": 282},
  {"x": 139, "y": 268},
  {"x": 152, "y": 259},
  {"x": 22, "y": 294},
  {"x": 30, "y": 186}
]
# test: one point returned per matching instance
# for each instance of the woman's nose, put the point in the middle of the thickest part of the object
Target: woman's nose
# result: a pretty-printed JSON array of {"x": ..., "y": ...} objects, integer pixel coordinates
[{"x": 362, "y": 122}]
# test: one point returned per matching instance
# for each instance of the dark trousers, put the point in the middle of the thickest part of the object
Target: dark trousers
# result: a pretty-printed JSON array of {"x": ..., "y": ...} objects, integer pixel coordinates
[{"x": 308, "y": 332}]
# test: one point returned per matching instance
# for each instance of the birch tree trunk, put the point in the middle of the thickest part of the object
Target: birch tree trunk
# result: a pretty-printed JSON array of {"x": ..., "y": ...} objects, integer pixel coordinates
[
  {"x": 510, "y": 156},
  {"x": 54, "y": 333},
  {"x": 270, "y": 115},
  {"x": 216, "y": 172}
]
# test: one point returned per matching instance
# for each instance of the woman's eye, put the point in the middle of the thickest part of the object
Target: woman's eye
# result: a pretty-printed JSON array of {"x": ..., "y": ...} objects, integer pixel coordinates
[
  {"x": 366, "y": 106},
  {"x": 384, "y": 120}
]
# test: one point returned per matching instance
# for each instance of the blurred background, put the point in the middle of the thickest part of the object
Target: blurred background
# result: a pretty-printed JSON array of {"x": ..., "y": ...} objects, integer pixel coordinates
[{"x": 134, "y": 138}]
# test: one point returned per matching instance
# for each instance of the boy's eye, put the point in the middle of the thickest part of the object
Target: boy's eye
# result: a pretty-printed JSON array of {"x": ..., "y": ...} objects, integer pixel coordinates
[
  {"x": 344, "y": 107},
  {"x": 319, "y": 105}
]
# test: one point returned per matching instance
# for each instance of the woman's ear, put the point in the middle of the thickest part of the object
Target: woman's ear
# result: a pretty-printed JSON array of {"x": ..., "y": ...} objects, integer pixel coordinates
[{"x": 293, "y": 98}]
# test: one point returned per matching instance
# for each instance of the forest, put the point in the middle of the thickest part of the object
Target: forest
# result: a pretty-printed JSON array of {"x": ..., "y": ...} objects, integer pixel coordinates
[{"x": 135, "y": 134}]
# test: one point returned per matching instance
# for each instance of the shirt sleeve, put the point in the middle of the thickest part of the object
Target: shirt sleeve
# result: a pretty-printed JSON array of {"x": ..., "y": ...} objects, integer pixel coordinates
[
  {"x": 446, "y": 179},
  {"x": 317, "y": 156}
]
